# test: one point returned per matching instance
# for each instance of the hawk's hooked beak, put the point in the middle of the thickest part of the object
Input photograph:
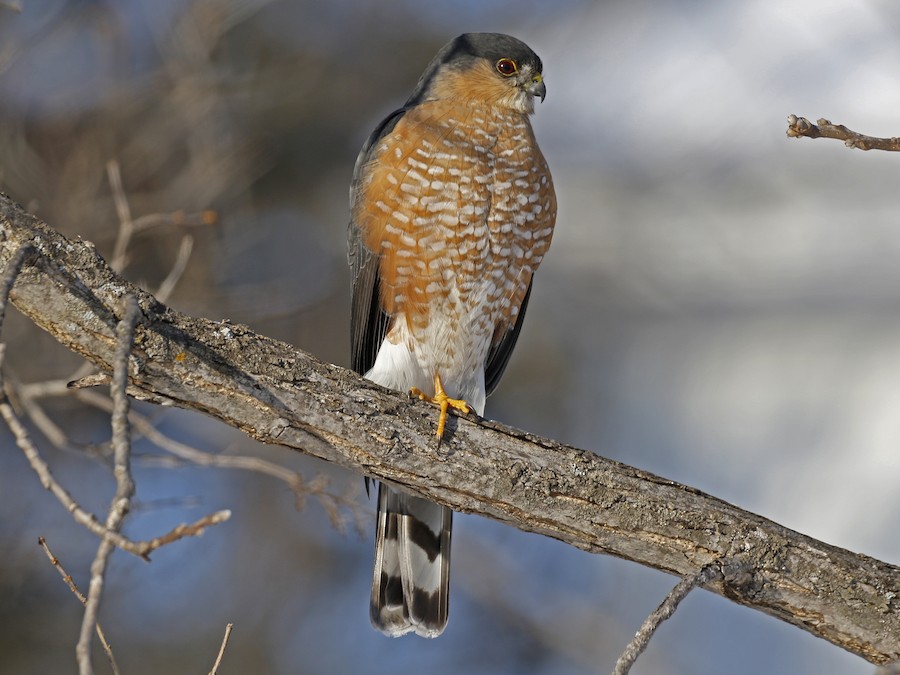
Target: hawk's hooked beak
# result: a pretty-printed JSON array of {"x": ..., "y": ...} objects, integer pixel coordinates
[{"x": 537, "y": 87}]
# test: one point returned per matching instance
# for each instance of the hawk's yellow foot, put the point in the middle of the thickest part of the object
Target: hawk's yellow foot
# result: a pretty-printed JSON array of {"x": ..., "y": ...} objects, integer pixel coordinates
[{"x": 441, "y": 400}]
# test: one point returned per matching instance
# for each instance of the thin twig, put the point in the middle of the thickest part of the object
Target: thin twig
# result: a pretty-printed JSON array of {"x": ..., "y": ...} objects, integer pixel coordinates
[
  {"x": 195, "y": 529},
  {"x": 215, "y": 668},
  {"x": 177, "y": 218},
  {"x": 45, "y": 389},
  {"x": 184, "y": 254},
  {"x": 642, "y": 638},
  {"x": 121, "y": 433},
  {"x": 121, "y": 503},
  {"x": 35, "y": 412},
  {"x": 67, "y": 578},
  {"x": 123, "y": 210},
  {"x": 802, "y": 127}
]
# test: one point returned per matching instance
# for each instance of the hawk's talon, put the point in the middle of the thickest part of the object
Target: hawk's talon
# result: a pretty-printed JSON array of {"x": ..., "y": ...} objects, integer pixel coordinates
[{"x": 443, "y": 401}]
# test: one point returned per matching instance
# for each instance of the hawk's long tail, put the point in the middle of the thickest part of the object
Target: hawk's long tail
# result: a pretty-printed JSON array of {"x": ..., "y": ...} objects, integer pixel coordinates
[{"x": 411, "y": 585}]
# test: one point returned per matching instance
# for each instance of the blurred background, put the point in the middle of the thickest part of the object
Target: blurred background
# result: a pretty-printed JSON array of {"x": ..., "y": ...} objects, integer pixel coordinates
[{"x": 721, "y": 306}]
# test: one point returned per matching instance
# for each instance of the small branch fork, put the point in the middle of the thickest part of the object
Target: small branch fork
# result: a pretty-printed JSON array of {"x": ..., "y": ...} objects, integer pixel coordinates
[
  {"x": 110, "y": 531},
  {"x": 802, "y": 127}
]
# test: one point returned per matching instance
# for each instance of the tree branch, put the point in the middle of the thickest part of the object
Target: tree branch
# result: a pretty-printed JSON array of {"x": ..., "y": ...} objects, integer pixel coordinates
[
  {"x": 665, "y": 611},
  {"x": 800, "y": 126},
  {"x": 121, "y": 502},
  {"x": 215, "y": 668},
  {"x": 70, "y": 582},
  {"x": 280, "y": 395}
]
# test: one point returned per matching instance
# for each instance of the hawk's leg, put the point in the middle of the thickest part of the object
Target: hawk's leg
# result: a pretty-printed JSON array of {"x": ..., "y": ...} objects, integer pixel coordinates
[{"x": 441, "y": 400}]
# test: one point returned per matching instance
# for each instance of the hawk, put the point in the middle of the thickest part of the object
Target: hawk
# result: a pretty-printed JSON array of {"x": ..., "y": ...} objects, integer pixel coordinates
[{"x": 452, "y": 210}]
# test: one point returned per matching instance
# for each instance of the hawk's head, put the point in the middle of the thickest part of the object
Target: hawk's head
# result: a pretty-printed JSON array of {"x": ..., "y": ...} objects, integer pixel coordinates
[{"x": 488, "y": 67}]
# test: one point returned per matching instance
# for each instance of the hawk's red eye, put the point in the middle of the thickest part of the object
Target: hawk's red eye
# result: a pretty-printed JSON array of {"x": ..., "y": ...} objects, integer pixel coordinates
[{"x": 507, "y": 67}]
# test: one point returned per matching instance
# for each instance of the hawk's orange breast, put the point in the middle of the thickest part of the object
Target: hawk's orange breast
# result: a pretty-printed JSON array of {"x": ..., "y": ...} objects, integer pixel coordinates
[{"x": 459, "y": 203}]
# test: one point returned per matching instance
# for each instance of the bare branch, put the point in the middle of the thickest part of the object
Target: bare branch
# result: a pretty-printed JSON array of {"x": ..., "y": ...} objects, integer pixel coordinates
[
  {"x": 126, "y": 225},
  {"x": 121, "y": 433},
  {"x": 91, "y": 607},
  {"x": 195, "y": 529},
  {"x": 184, "y": 254},
  {"x": 67, "y": 578},
  {"x": 642, "y": 638},
  {"x": 800, "y": 126},
  {"x": 37, "y": 415},
  {"x": 121, "y": 502},
  {"x": 215, "y": 668},
  {"x": 177, "y": 218},
  {"x": 279, "y": 395}
]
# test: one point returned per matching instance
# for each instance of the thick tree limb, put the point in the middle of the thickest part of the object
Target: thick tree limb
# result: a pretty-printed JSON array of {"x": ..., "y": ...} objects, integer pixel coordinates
[
  {"x": 279, "y": 395},
  {"x": 800, "y": 126}
]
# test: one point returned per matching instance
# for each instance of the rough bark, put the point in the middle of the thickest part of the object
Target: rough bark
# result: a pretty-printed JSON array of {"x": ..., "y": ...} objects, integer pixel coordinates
[{"x": 278, "y": 394}]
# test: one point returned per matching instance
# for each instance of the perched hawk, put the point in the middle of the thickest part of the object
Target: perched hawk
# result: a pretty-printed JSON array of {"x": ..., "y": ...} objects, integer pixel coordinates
[{"x": 452, "y": 210}]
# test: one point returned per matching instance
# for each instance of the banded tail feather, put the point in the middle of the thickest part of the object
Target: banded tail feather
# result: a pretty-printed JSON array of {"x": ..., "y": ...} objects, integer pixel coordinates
[{"x": 411, "y": 583}]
